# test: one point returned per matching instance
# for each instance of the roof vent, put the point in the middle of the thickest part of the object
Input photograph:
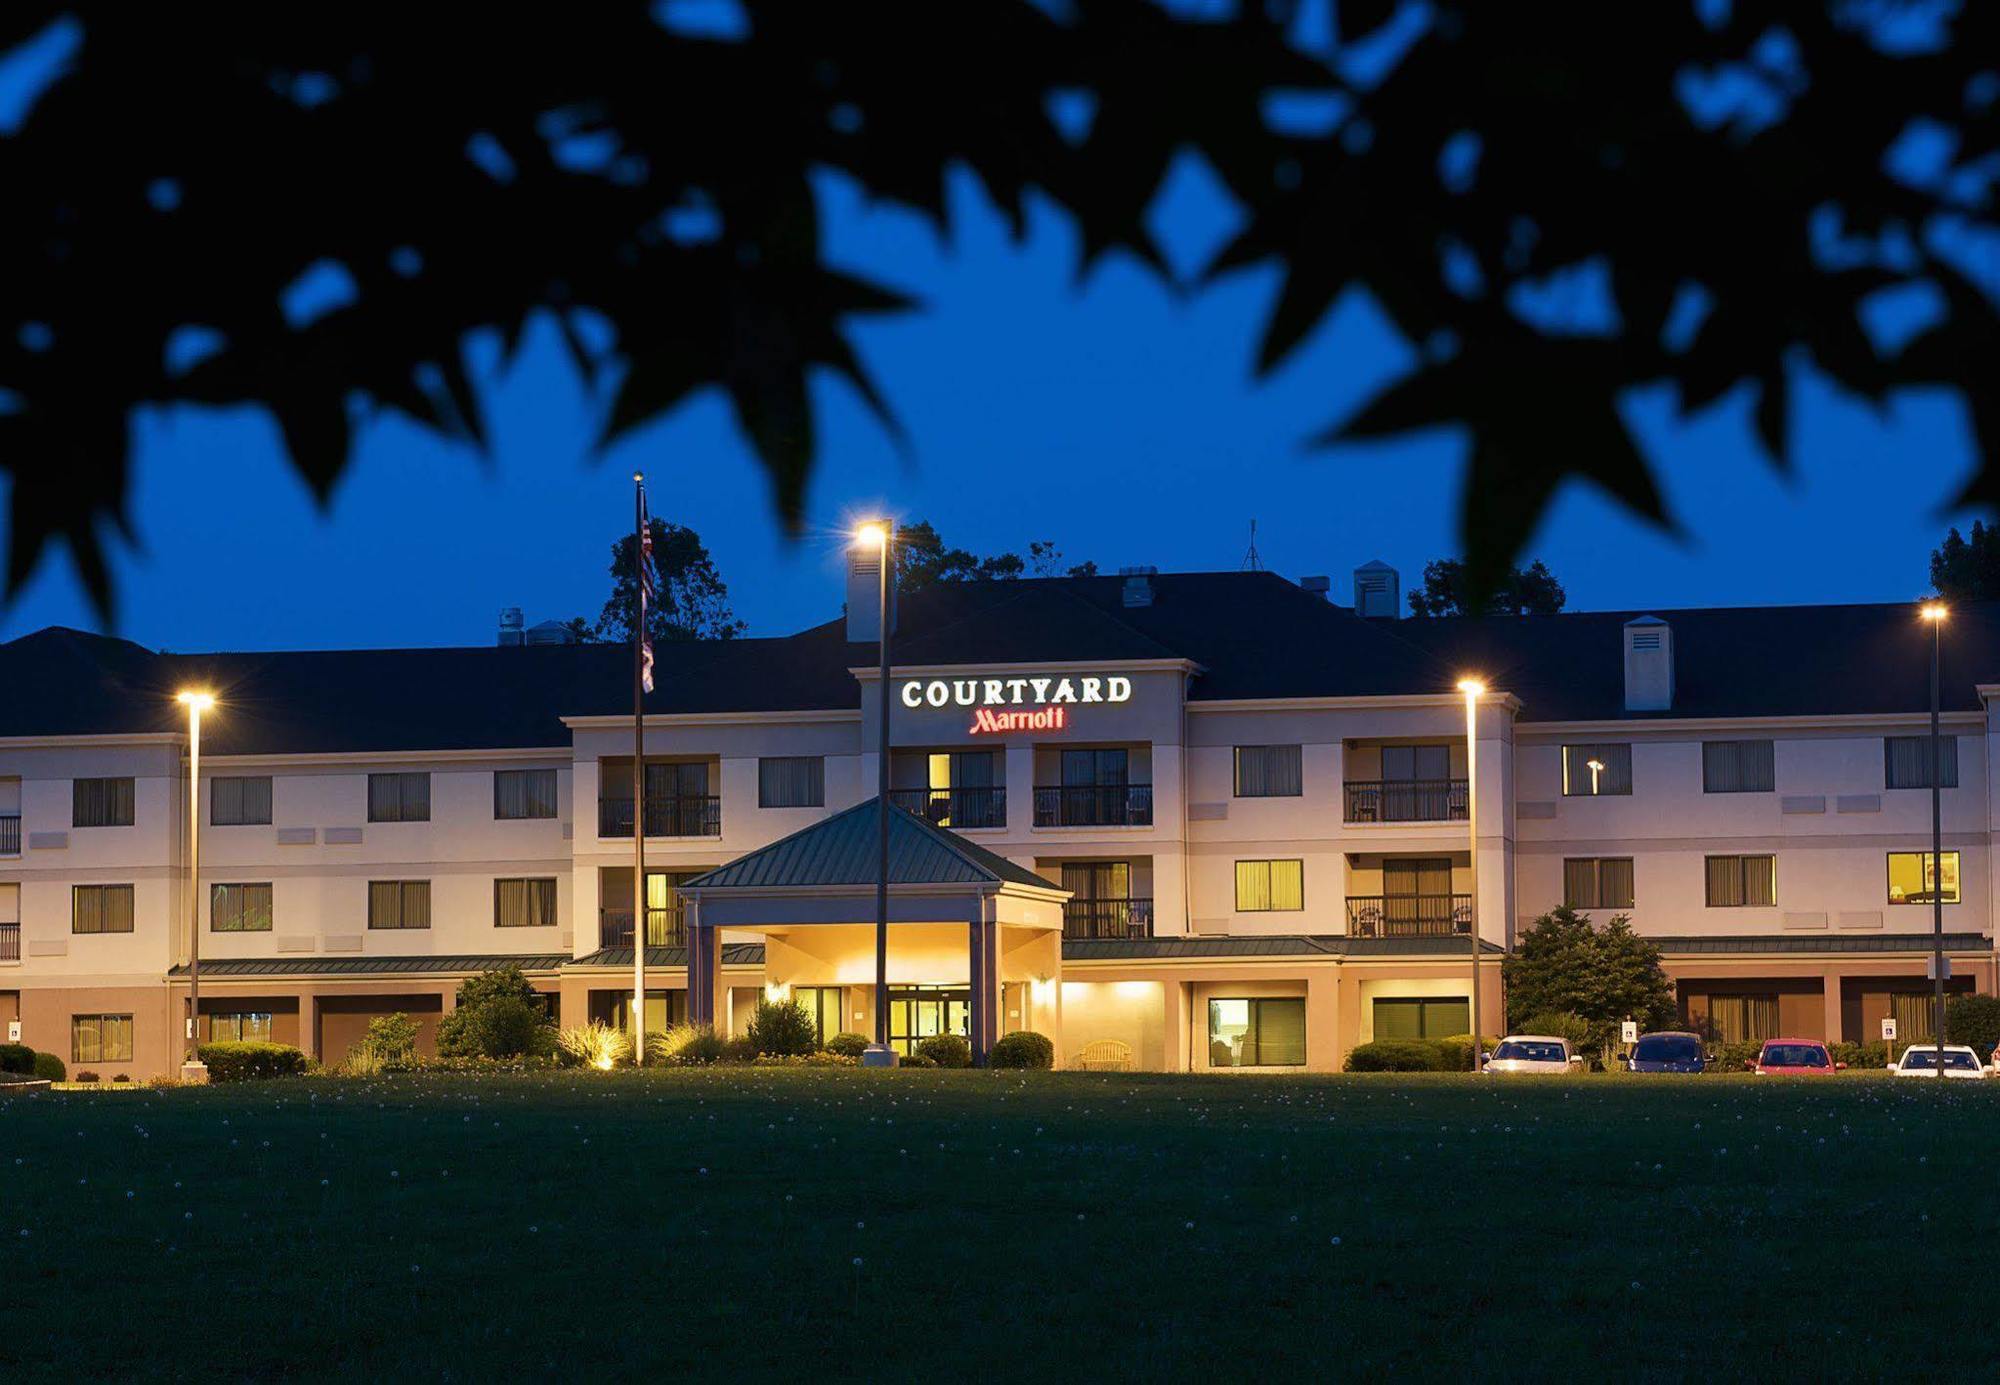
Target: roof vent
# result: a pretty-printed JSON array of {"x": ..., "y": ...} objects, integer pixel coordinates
[
  {"x": 1378, "y": 591},
  {"x": 1318, "y": 586},
  {"x": 1138, "y": 585},
  {"x": 550, "y": 632},
  {"x": 1649, "y": 665},
  {"x": 510, "y": 625}
]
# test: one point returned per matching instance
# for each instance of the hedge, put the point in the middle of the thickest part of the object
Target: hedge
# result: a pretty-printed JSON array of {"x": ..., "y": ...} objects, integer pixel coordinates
[
  {"x": 17, "y": 1058},
  {"x": 250, "y": 1061},
  {"x": 1022, "y": 1048},
  {"x": 1395, "y": 1055},
  {"x": 947, "y": 1050}
]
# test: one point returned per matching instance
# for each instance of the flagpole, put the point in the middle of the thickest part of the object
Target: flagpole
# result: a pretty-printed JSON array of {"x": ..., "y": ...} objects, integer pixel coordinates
[{"x": 639, "y": 770}]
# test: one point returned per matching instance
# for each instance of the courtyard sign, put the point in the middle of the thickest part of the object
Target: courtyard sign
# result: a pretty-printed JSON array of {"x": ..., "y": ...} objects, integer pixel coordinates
[{"x": 1016, "y": 704}]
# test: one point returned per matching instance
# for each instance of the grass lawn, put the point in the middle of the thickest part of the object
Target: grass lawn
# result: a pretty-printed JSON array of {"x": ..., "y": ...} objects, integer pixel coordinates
[{"x": 827, "y": 1223}]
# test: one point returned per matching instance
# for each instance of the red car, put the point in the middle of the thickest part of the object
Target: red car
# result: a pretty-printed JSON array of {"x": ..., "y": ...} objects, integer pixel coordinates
[{"x": 1796, "y": 1058}]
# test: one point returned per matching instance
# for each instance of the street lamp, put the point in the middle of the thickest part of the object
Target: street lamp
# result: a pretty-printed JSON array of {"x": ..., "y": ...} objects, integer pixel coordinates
[
  {"x": 881, "y": 536},
  {"x": 1935, "y": 612},
  {"x": 1472, "y": 688},
  {"x": 192, "y": 1068}
]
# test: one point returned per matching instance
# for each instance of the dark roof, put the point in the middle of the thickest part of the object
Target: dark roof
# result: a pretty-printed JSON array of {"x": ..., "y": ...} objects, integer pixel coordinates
[
  {"x": 1905, "y": 943},
  {"x": 449, "y": 964},
  {"x": 845, "y": 850},
  {"x": 1279, "y": 945},
  {"x": 620, "y": 958}
]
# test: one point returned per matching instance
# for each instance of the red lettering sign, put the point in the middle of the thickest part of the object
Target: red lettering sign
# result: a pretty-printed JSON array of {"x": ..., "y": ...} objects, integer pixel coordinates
[{"x": 986, "y": 721}]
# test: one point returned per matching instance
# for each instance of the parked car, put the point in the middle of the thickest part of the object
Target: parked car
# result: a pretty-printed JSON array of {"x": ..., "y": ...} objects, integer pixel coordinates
[
  {"x": 1532, "y": 1053},
  {"x": 1667, "y": 1051},
  {"x": 1796, "y": 1058},
  {"x": 1920, "y": 1060}
]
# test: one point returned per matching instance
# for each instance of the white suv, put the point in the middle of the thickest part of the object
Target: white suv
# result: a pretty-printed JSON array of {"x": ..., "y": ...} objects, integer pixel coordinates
[{"x": 1920, "y": 1060}]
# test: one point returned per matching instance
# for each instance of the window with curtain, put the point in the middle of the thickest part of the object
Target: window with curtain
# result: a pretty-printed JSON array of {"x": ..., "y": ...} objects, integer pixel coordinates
[
  {"x": 1912, "y": 1012},
  {"x": 1087, "y": 768},
  {"x": 1906, "y": 762},
  {"x": 1416, "y": 764},
  {"x": 1913, "y": 878},
  {"x": 823, "y": 1004},
  {"x": 1743, "y": 1019},
  {"x": 791, "y": 781},
  {"x": 239, "y": 801},
  {"x": 239, "y": 908},
  {"x": 1265, "y": 1032},
  {"x": 525, "y": 902},
  {"x": 399, "y": 904},
  {"x": 399, "y": 797},
  {"x": 1738, "y": 767},
  {"x": 100, "y": 909},
  {"x": 1614, "y": 776},
  {"x": 238, "y": 1027},
  {"x": 1422, "y": 1017},
  {"x": 1270, "y": 886},
  {"x": 1268, "y": 771},
  {"x": 1597, "y": 882},
  {"x": 522, "y": 794},
  {"x": 1737, "y": 882},
  {"x": 100, "y": 1038},
  {"x": 101, "y": 803}
]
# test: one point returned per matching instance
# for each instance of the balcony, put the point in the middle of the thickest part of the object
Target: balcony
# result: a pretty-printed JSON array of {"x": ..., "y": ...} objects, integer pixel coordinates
[
  {"x": 10, "y": 834},
  {"x": 1408, "y": 915},
  {"x": 1406, "y": 800},
  {"x": 10, "y": 942},
  {"x": 680, "y": 815},
  {"x": 1094, "y": 805},
  {"x": 1108, "y": 918},
  {"x": 960, "y": 809},
  {"x": 664, "y": 927}
]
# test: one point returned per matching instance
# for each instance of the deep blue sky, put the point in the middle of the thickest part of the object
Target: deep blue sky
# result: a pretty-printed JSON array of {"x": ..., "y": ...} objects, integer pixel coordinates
[{"x": 1108, "y": 415}]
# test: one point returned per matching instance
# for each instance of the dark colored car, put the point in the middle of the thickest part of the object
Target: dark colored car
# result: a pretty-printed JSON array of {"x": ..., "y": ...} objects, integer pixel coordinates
[{"x": 1667, "y": 1052}]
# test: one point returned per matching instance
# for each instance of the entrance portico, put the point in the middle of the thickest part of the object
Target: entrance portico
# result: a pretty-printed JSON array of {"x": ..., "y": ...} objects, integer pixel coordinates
[{"x": 967, "y": 927}]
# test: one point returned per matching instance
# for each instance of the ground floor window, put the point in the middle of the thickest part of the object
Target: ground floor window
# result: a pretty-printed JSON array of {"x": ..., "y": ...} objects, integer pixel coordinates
[
  {"x": 1743, "y": 1019},
  {"x": 823, "y": 1003},
  {"x": 239, "y": 1027},
  {"x": 1912, "y": 1012},
  {"x": 1257, "y": 1033},
  {"x": 1422, "y": 1017},
  {"x": 918, "y": 1012},
  {"x": 100, "y": 1038},
  {"x": 664, "y": 1009}
]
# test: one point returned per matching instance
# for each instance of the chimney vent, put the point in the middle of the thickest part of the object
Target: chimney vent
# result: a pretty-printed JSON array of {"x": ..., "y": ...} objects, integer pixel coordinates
[
  {"x": 550, "y": 632},
  {"x": 1378, "y": 591},
  {"x": 1318, "y": 586},
  {"x": 1649, "y": 665},
  {"x": 510, "y": 625},
  {"x": 864, "y": 595},
  {"x": 1138, "y": 585}
]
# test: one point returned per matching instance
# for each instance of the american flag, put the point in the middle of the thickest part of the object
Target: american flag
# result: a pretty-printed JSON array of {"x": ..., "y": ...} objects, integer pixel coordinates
[{"x": 649, "y": 590}]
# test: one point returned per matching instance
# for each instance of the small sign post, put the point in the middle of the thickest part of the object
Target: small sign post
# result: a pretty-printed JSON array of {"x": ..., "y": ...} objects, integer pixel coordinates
[
  {"x": 13, "y": 1031},
  {"x": 1889, "y": 1039},
  {"x": 1629, "y": 1031}
]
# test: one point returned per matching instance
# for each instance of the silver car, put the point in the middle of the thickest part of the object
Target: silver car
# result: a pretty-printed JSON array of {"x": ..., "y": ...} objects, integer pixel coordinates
[{"x": 1532, "y": 1053}]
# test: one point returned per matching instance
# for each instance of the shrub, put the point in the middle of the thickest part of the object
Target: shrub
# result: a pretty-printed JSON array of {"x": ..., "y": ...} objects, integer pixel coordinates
[
  {"x": 501, "y": 983},
  {"x": 251, "y": 1061},
  {"x": 1022, "y": 1048},
  {"x": 1973, "y": 1019},
  {"x": 782, "y": 1027},
  {"x": 595, "y": 1045},
  {"x": 1562, "y": 1024},
  {"x": 821, "y": 1059},
  {"x": 915, "y": 1060},
  {"x": 121, "y": 1077},
  {"x": 390, "y": 1045},
  {"x": 685, "y": 1045},
  {"x": 848, "y": 1044},
  {"x": 1395, "y": 1055},
  {"x": 1873, "y": 1054},
  {"x": 88, "y": 1076},
  {"x": 1455, "y": 1053},
  {"x": 947, "y": 1050},
  {"x": 49, "y": 1068},
  {"x": 738, "y": 1048},
  {"x": 502, "y": 1027},
  {"x": 17, "y": 1058},
  {"x": 1735, "y": 1057}
]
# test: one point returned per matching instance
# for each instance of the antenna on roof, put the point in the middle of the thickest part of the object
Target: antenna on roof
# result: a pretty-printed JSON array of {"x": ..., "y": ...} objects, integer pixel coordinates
[{"x": 1251, "y": 562}]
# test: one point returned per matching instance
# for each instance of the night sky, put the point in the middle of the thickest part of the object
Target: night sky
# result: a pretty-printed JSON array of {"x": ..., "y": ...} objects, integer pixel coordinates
[{"x": 1105, "y": 414}]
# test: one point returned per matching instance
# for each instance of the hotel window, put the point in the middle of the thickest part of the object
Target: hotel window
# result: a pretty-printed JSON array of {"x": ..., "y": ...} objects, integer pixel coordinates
[
  {"x": 1597, "y": 882},
  {"x": 239, "y": 908},
  {"x": 399, "y": 904},
  {"x": 1742, "y": 882},
  {"x": 1270, "y": 886},
  {"x": 399, "y": 797},
  {"x": 1913, "y": 878},
  {"x": 1416, "y": 764},
  {"x": 238, "y": 1027},
  {"x": 1906, "y": 762},
  {"x": 1260, "y": 1033},
  {"x": 1743, "y": 1019},
  {"x": 1268, "y": 771},
  {"x": 1422, "y": 1017},
  {"x": 823, "y": 1004},
  {"x": 101, "y": 803},
  {"x": 1737, "y": 767},
  {"x": 100, "y": 1038},
  {"x": 518, "y": 794},
  {"x": 791, "y": 781},
  {"x": 524, "y": 903},
  {"x": 1613, "y": 774},
  {"x": 240, "y": 802},
  {"x": 100, "y": 909}
]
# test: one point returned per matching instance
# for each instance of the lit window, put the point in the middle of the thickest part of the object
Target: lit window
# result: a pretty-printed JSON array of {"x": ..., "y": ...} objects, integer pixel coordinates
[
  {"x": 1257, "y": 1033},
  {"x": 1270, "y": 886},
  {"x": 1913, "y": 878},
  {"x": 1595, "y": 771}
]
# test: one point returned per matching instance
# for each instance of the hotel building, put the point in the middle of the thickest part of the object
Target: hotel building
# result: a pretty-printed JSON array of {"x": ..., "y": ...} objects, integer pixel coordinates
[{"x": 1192, "y": 821}]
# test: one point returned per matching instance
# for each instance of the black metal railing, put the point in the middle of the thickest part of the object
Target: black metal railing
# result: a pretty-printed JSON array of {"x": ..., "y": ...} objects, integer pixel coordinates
[
  {"x": 1108, "y": 918},
  {"x": 1406, "y": 800},
  {"x": 956, "y": 808},
  {"x": 675, "y": 815},
  {"x": 1094, "y": 805},
  {"x": 10, "y": 942},
  {"x": 10, "y": 834},
  {"x": 1408, "y": 915},
  {"x": 664, "y": 928}
]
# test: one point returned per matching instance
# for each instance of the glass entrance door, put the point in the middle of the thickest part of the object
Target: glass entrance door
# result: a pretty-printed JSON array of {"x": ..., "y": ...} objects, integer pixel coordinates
[{"x": 917, "y": 1012}]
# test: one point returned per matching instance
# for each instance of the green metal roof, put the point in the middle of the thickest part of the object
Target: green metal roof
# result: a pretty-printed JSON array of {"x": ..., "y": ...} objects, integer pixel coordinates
[
  {"x": 733, "y": 955},
  {"x": 443, "y": 964},
  {"x": 1281, "y": 945},
  {"x": 1906, "y": 943},
  {"x": 843, "y": 850}
]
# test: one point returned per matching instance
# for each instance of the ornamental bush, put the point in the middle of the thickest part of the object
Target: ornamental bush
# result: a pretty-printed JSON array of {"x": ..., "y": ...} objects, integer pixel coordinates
[
  {"x": 390, "y": 1045},
  {"x": 1735, "y": 1057},
  {"x": 848, "y": 1044},
  {"x": 595, "y": 1045},
  {"x": 17, "y": 1058},
  {"x": 1562, "y": 1024},
  {"x": 251, "y": 1061},
  {"x": 49, "y": 1068},
  {"x": 1022, "y": 1048},
  {"x": 686, "y": 1045},
  {"x": 1455, "y": 1052},
  {"x": 947, "y": 1050},
  {"x": 739, "y": 1048},
  {"x": 781, "y": 1028},
  {"x": 505, "y": 1026},
  {"x": 1973, "y": 1019},
  {"x": 1395, "y": 1055},
  {"x": 915, "y": 1060},
  {"x": 88, "y": 1076}
]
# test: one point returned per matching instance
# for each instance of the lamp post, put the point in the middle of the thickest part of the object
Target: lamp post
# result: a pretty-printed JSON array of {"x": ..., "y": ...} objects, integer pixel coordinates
[
  {"x": 1472, "y": 688},
  {"x": 1934, "y": 612},
  {"x": 192, "y": 1068},
  {"x": 881, "y": 536}
]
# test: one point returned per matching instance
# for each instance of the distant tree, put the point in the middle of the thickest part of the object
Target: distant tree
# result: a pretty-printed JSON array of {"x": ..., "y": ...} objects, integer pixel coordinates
[
  {"x": 1046, "y": 560},
  {"x": 1968, "y": 569},
  {"x": 1447, "y": 591},
  {"x": 1565, "y": 962},
  {"x": 693, "y": 600},
  {"x": 923, "y": 558}
]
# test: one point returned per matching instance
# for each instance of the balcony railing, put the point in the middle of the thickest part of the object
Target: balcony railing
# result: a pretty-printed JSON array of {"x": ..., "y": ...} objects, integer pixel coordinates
[
  {"x": 678, "y": 815},
  {"x": 10, "y": 942},
  {"x": 1408, "y": 915},
  {"x": 1108, "y": 918},
  {"x": 957, "y": 808},
  {"x": 10, "y": 834},
  {"x": 664, "y": 928},
  {"x": 1406, "y": 800},
  {"x": 1094, "y": 805}
]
